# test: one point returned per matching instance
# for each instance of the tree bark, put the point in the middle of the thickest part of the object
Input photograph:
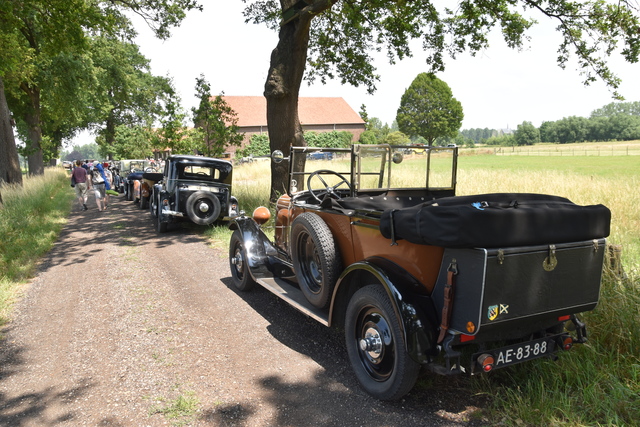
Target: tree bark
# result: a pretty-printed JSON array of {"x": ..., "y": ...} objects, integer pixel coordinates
[
  {"x": 9, "y": 161},
  {"x": 282, "y": 88},
  {"x": 35, "y": 159}
]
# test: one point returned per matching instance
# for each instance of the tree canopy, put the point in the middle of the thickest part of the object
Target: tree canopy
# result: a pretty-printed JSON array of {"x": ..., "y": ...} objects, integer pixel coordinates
[
  {"x": 46, "y": 45},
  {"x": 428, "y": 109},
  {"x": 215, "y": 120}
]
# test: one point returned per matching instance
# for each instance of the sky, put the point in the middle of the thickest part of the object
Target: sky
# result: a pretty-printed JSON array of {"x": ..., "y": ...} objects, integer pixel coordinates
[{"x": 499, "y": 88}]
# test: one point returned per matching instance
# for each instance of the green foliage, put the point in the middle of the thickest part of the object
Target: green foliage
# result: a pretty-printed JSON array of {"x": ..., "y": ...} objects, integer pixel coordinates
[
  {"x": 379, "y": 131},
  {"x": 130, "y": 142},
  {"x": 258, "y": 146},
  {"x": 503, "y": 140},
  {"x": 478, "y": 135},
  {"x": 345, "y": 34},
  {"x": 368, "y": 137},
  {"x": 87, "y": 151},
  {"x": 173, "y": 133},
  {"x": 527, "y": 134},
  {"x": 333, "y": 139},
  {"x": 618, "y": 121},
  {"x": 30, "y": 221},
  {"x": 428, "y": 109},
  {"x": 398, "y": 138},
  {"x": 364, "y": 116},
  {"x": 616, "y": 108},
  {"x": 64, "y": 68},
  {"x": 216, "y": 120}
]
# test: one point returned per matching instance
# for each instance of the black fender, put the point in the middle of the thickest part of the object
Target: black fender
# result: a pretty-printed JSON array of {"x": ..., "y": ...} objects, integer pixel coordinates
[
  {"x": 414, "y": 307},
  {"x": 261, "y": 255}
]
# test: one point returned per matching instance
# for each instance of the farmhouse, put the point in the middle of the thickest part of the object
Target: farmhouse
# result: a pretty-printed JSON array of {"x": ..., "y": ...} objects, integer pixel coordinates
[{"x": 316, "y": 114}]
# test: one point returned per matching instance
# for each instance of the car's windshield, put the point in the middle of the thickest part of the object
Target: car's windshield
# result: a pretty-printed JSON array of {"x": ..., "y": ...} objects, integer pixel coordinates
[{"x": 374, "y": 168}]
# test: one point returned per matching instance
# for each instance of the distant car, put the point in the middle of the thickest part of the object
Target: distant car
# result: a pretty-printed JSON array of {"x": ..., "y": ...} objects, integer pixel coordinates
[
  {"x": 67, "y": 164},
  {"x": 451, "y": 145},
  {"x": 130, "y": 171},
  {"x": 194, "y": 188},
  {"x": 320, "y": 155}
]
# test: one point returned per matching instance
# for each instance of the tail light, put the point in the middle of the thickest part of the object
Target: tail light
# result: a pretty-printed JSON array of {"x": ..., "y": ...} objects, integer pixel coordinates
[
  {"x": 486, "y": 361},
  {"x": 566, "y": 342}
]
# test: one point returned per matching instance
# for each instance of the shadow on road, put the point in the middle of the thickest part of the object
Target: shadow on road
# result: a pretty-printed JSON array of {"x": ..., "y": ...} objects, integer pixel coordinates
[{"x": 435, "y": 400}]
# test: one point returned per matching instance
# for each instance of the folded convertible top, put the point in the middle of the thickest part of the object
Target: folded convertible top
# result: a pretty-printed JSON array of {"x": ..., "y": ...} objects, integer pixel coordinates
[{"x": 496, "y": 220}]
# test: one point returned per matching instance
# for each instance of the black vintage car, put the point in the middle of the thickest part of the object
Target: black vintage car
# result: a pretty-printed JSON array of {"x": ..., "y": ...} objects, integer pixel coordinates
[
  {"x": 192, "y": 188},
  {"x": 374, "y": 240}
]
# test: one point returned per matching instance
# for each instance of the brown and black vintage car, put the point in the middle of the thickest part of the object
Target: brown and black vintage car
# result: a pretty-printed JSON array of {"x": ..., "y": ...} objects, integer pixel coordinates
[{"x": 374, "y": 240}]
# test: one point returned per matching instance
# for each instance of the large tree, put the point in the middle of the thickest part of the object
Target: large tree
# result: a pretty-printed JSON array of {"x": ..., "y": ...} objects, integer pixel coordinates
[
  {"x": 42, "y": 30},
  {"x": 336, "y": 39},
  {"x": 215, "y": 120},
  {"x": 428, "y": 109},
  {"x": 126, "y": 93},
  {"x": 527, "y": 134}
]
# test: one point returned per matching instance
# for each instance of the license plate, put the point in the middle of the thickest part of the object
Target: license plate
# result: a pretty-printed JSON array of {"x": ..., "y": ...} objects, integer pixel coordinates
[{"x": 522, "y": 352}]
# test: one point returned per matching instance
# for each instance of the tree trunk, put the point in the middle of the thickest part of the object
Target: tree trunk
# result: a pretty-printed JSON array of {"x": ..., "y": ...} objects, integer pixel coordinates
[
  {"x": 282, "y": 88},
  {"x": 9, "y": 162},
  {"x": 35, "y": 159}
]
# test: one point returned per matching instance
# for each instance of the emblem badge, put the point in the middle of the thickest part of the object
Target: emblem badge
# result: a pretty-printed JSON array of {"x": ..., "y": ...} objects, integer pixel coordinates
[{"x": 493, "y": 312}]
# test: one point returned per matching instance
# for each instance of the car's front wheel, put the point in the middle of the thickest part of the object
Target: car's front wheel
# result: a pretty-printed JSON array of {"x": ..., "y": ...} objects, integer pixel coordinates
[
  {"x": 237, "y": 262},
  {"x": 375, "y": 345}
]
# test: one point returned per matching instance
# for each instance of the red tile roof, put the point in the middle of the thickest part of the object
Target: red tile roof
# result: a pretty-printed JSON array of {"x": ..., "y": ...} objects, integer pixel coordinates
[{"x": 252, "y": 111}]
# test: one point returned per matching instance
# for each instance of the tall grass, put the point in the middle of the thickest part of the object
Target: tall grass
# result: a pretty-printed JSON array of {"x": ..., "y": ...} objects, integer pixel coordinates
[
  {"x": 30, "y": 221},
  {"x": 597, "y": 383}
]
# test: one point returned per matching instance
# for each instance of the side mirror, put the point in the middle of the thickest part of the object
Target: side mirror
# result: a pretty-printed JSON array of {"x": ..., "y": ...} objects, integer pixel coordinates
[{"x": 278, "y": 156}]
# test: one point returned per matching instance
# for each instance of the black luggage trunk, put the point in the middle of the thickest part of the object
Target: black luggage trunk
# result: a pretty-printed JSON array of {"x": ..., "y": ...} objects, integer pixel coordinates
[{"x": 496, "y": 287}]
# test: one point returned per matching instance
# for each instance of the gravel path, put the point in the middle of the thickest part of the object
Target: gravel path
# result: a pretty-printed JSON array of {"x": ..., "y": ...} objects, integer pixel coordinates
[{"x": 123, "y": 327}]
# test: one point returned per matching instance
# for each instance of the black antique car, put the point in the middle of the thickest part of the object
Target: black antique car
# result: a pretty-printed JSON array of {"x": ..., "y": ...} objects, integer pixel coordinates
[
  {"x": 192, "y": 188},
  {"x": 375, "y": 241}
]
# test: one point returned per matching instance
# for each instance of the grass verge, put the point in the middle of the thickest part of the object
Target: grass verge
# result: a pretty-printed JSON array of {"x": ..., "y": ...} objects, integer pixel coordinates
[{"x": 30, "y": 222}]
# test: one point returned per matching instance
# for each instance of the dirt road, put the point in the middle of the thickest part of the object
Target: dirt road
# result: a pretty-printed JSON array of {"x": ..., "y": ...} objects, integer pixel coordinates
[{"x": 125, "y": 327}]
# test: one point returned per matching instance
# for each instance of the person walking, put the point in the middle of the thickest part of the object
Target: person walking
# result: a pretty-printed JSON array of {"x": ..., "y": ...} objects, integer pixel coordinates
[
  {"x": 98, "y": 185},
  {"x": 79, "y": 180}
]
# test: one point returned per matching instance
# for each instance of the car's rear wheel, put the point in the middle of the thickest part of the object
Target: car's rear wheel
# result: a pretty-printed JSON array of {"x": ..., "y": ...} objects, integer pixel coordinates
[
  {"x": 316, "y": 259},
  {"x": 375, "y": 345},
  {"x": 203, "y": 208},
  {"x": 237, "y": 262},
  {"x": 144, "y": 202}
]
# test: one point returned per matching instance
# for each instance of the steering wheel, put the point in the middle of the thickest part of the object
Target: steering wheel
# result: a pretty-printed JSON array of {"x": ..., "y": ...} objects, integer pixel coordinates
[{"x": 328, "y": 189}]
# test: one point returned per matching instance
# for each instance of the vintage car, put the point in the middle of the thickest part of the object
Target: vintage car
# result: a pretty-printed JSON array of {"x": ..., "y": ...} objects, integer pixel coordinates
[
  {"x": 142, "y": 184},
  {"x": 194, "y": 188},
  {"x": 377, "y": 243},
  {"x": 127, "y": 167}
]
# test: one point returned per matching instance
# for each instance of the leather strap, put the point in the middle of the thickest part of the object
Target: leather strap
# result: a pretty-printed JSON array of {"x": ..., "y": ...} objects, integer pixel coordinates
[{"x": 449, "y": 293}]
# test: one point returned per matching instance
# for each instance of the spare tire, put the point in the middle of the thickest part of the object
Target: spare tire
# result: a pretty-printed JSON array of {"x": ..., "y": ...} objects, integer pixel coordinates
[
  {"x": 316, "y": 259},
  {"x": 203, "y": 208}
]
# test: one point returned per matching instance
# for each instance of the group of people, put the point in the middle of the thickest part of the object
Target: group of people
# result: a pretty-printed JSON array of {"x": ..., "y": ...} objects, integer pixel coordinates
[{"x": 97, "y": 176}]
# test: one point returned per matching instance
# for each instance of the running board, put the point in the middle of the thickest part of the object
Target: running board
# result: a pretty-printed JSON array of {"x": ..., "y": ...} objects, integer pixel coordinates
[{"x": 294, "y": 297}]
